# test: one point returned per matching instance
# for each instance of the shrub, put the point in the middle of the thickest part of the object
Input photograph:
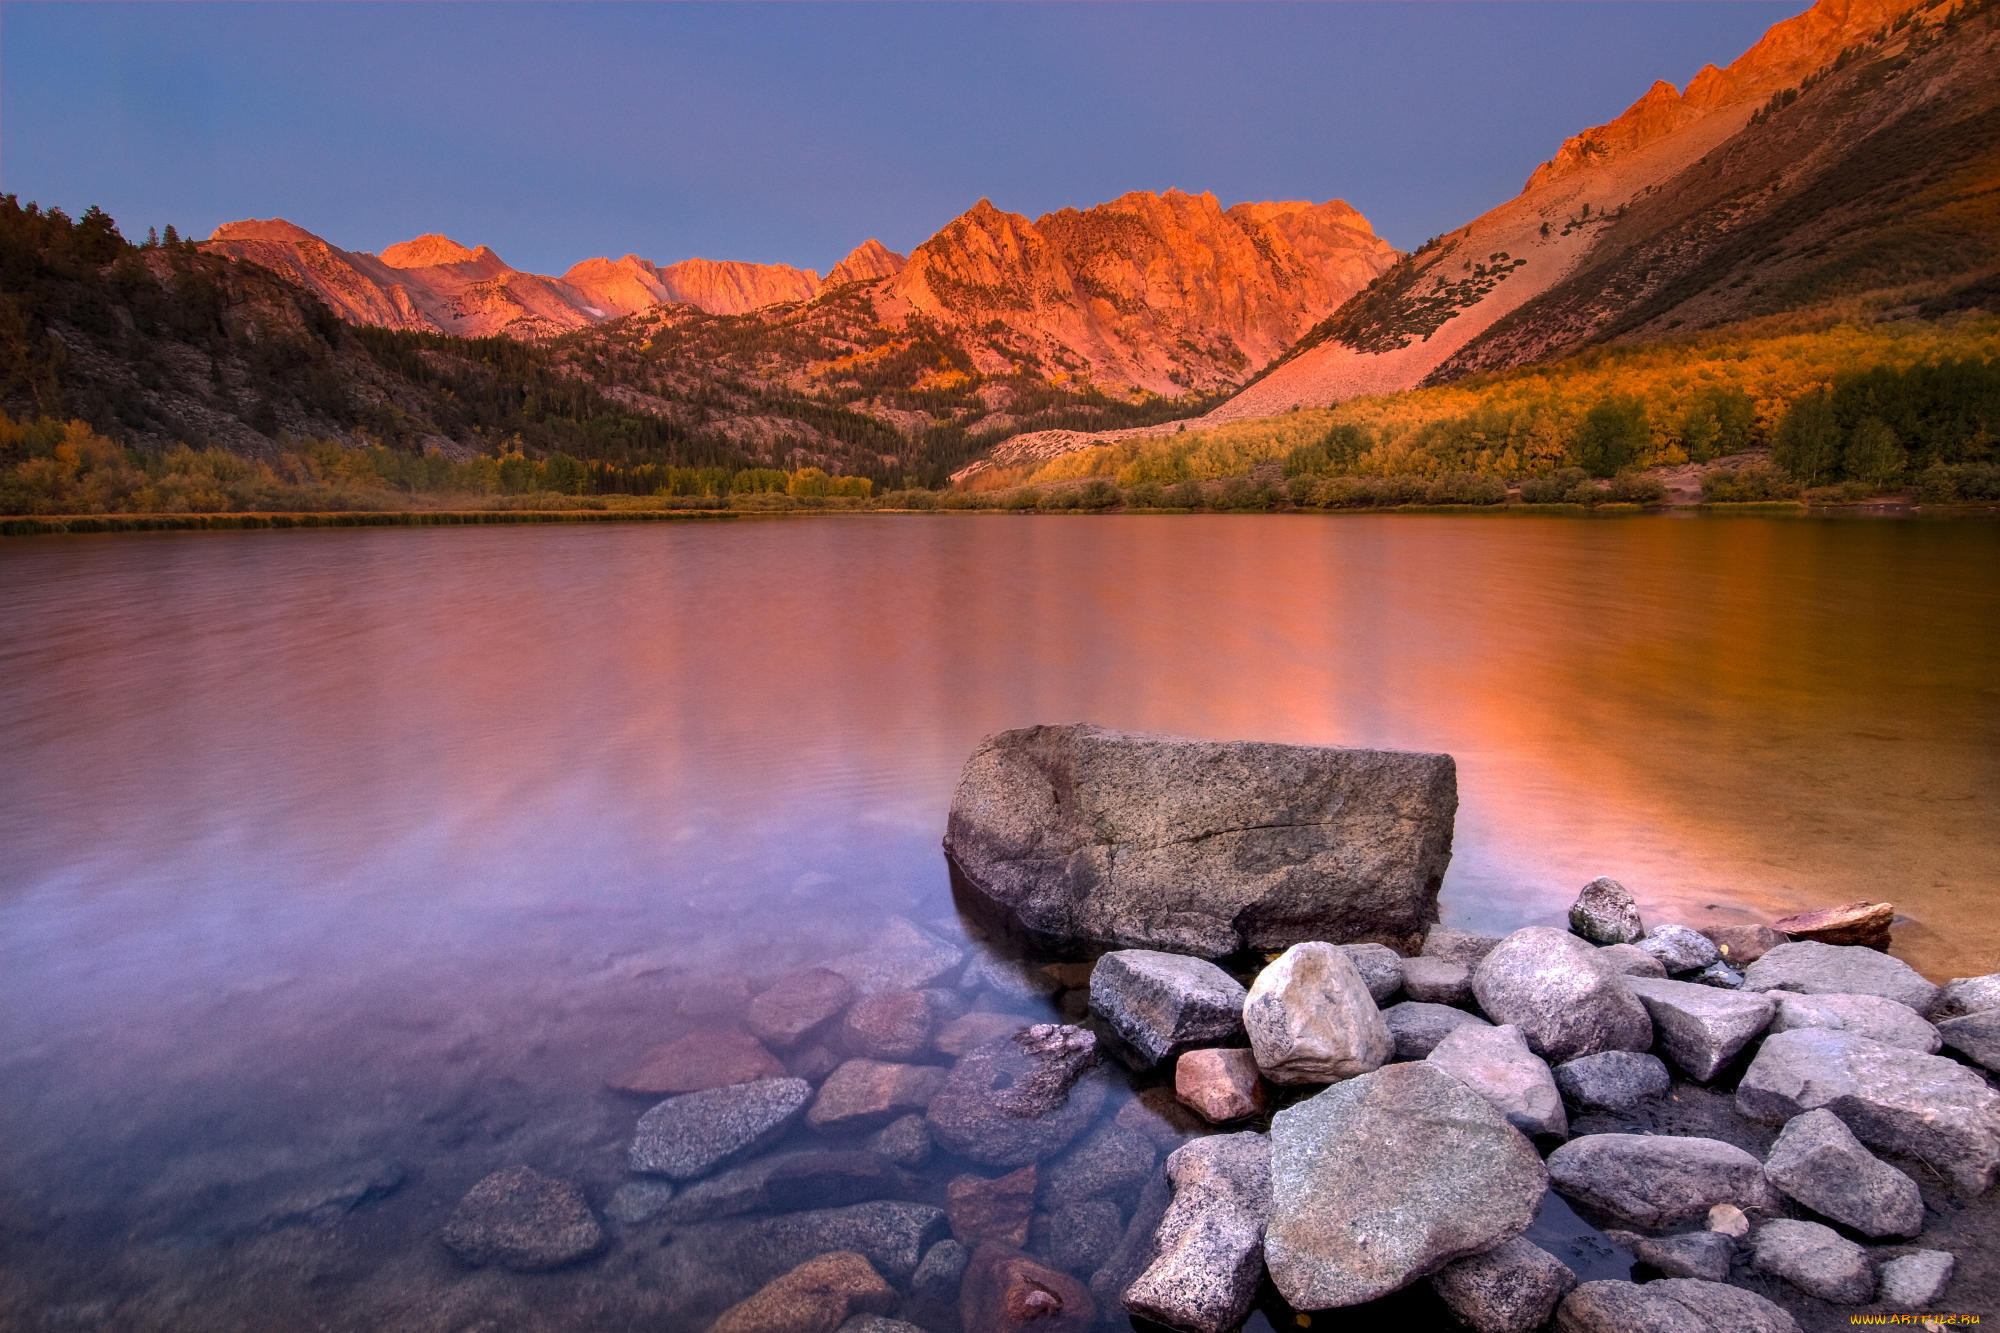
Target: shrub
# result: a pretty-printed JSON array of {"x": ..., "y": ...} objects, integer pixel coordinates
[
  {"x": 1873, "y": 454},
  {"x": 1750, "y": 483},
  {"x": 1027, "y": 497},
  {"x": 1553, "y": 489},
  {"x": 1187, "y": 495},
  {"x": 1099, "y": 494},
  {"x": 1062, "y": 498},
  {"x": 1636, "y": 488},
  {"x": 912, "y": 499},
  {"x": 1959, "y": 483},
  {"x": 1147, "y": 495},
  {"x": 1612, "y": 435},
  {"x": 1465, "y": 488}
]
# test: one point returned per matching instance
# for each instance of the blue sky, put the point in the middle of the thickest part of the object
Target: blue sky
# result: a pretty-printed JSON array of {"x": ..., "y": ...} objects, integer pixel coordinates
[{"x": 554, "y": 132}]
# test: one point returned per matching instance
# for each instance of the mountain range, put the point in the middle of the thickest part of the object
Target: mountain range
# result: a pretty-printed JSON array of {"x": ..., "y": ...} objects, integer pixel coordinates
[{"x": 1849, "y": 162}]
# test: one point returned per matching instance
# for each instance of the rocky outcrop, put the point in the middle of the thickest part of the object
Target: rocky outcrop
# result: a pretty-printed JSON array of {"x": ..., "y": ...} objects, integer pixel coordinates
[
  {"x": 1566, "y": 999},
  {"x": 1816, "y": 1259},
  {"x": 1870, "y": 1016},
  {"x": 1160, "y": 1004},
  {"x": 1612, "y": 1080},
  {"x": 1656, "y": 1181},
  {"x": 1818, "y": 1162},
  {"x": 865, "y": 262},
  {"x": 1388, "y": 1177},
  {"x": 1812, "y": 968},
  {"x": 1311, "y": 1018},
  {"x": 1699, "y": 1027},
  {"x": 1078, "y": 835}
]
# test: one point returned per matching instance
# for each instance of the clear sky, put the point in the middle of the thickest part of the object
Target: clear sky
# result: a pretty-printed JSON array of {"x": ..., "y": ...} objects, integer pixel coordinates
[{"x": 554, "y": 132}]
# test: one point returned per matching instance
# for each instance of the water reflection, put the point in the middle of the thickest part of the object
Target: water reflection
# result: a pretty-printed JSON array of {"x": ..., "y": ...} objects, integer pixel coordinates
[{"x": 325, "y": 849}]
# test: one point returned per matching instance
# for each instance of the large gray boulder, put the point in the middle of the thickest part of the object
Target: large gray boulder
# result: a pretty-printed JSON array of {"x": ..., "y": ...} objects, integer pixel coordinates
[
  {"x": 1512, "y": 1288},
  {"x": 689, "y": 1136},
  {"x": 1387, "y": 1178},
  {"x": 1566, "y": 1000},
  {"x": 1657, "y": 1181},
  {"x": 1613, "y": 1080},
  {"x": 1974, "y": 1036},
  {"x": 1816, "y": 1259},
  {"x": 1818, "y": 1161},
  {"x": 1076, "y": 834},
  {"x": 1812, "y": 968},
  {"x": 1416, "y": 1028},
  {"x": 1604, "y": 913},
  {"x": 1895, "y": 1100},
  {"x": 1018, "y": 1099},
  {"x": 1678, "y": 1305},
  {"x": 1497, "y": 1064},
  {"x": 1870, "y": 1016},
  {"x": 1311, "y": 1018},
  {"x": 1160, "y": 1004},
  {"x": 1721, "y": 1306},
  {"x": 1699, "y": 1027},
  {"x": 1209, "y": 1250}
]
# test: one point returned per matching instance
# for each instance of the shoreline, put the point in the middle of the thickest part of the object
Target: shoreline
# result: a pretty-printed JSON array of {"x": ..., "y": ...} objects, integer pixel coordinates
[{"x": 47, "y": 525}]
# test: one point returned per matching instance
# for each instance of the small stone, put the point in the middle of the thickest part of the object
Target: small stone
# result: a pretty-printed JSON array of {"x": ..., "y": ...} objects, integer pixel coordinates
[
  {"x": 1495, "y": 1062},
  {"x": 699, "y": 1061},
  {"x": 1566, "y": 1000},
  {"x": 1895, "y": 1101},
  {"x": 1159, "y": 1004},
  {"x": 638, "y": 1201},
  {"x": 1417, "y": 1028},
  {"x": 798, "y": 1005},
  {"x": 1437, "y": 981},
  {"x": 1656, "y": 1181},
  {"x": 1388, "y": 1177},
  {"x": 1111, "y": 1161},
  {"x": 1082, "y": 1234},
  {"x": 1869, "y": 1016},
  {"x": 523, "y": 1220},
  {"x": 816, "y": 1297},
  {"x": 1726, "y": 1219},
  {"x": 1632, "y": 961},
  {"x": 1458, "y": 946},
  {"x": 1679, "y": 948},
  {"x": 1622, "y": 1307},
  {"x": 1820, "y": 1163},
  {"x": 1719, "y": 975},
  {"x": 1618, "y": 1081},
  {"x": 937, "y": 1276},
  {"x": 693, "y": 1134},
  {"x": 1381, "y": 968},
  {"x": 1742, "y": 945},
  {"x": 1604, "y": 913},
  {"x": 1210, "y": 1245},
  {"x": 905, "y": 1141},
  {"x": 1512, "y": 1288},
  {"x": 1916, "y": 1281},
  {"x": 977, "y": 1029},
  {"x": 1865, "y": 924},
  {"x": 1965, "y": 995},
  {"x": 1812, "y": 968},
  {"x": 888, "y": 1025},
  {"x": 1005, "y": 1291},
  {"x": 996, "y": 1210},
  {"x": 1311, "y": 1019},
  {"x": 1020, "y": 1099},
  {"x": 1221, "y": 1085},
  {"x": 1700, "y": 1028},
  {"x": 1699, "y": 1254},
  {"x": 1816, "y": 1259},
  {"x": 863, "y": 1093},
  {"x": 1974, "y": 1036},
  {"x": 903, "y": 955}
]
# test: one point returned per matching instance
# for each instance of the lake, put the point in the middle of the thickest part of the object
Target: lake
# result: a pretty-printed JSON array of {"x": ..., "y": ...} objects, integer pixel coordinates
[{"x": 342, "y": 868}]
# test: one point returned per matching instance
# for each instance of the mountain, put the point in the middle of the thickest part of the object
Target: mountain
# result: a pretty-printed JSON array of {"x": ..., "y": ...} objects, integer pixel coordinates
[{"x": 1850, "y": 150}]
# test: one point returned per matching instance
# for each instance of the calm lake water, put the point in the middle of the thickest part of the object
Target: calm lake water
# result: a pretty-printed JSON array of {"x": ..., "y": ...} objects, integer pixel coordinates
[{"x": 369, "y": 856}]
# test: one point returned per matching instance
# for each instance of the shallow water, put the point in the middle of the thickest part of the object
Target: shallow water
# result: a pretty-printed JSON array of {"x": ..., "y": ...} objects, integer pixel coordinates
[{"x": 325, "y": 850}]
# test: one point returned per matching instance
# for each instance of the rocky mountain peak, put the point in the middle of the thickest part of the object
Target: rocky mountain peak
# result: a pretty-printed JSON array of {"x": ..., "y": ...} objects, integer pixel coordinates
[
  {"x": 429, "y": 251},
  {"x": 868, "y": 260},
  {"x": 272, "y": 229}
]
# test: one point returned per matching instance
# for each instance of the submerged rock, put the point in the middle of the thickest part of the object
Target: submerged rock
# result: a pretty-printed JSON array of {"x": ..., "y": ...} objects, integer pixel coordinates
[
  {"x": 1656, "y": 1180},
  {"x": 906, "y": 1141},
  {"x": 1820, "y": 1163},
  {"x": 1311, "y": 1019},
  {"x": 894, "y": 1236},
  {"x": 1081, "y": 1235},
  {"x": 1865, "y": 924},
  {"x": 691, "y": 1135},
  {"x": 1564, "y": 997},
  {"x": 1159, "y": 1004},
  {"x": 903, "y": 955},
  {"x": 1604, "y": 913},
  {"x": 1512, "y": 1288},
  {"x": 937, "y": 1276},
  {"x": 863, "y": 1093},
  {"x": 1005, "y": 1291},
  {"x": 994, "y": 1210},
  {"x": 1895, "y": 1100},
  {"x": 1812, "y": 968},
  {"x": 1416, "y": 1028},
  {"x": 1388, "y": 1177},
  {"x": 888, "y": 1025},
  {"x": 639, "y": 1201},
  {"x": 1210, "y": 1245},
  {"x": 1497, "y": 1064},
  {"x": 1111, "y": 1161},
  {"x": 1887, "y": 1021},
  {"x": 1816, "y": 1259},
  {"x": 1221, "y": 1085},
  {"x": 523, "y": 1220},
  {"x": 1020, "y": 1099},
  {"x": 963, "y": 1033},
  {"x": 1613, "y": 1080},
  {"x": 816, "y": 1297},
  {"x": 1700, "y": 1028},
  {"x": 699, "y": 1061},
  {"x": 1077, "y": 834},
  {"x": 798, "y": 1005}
]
